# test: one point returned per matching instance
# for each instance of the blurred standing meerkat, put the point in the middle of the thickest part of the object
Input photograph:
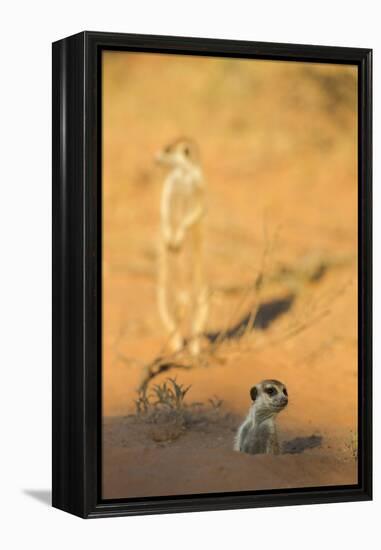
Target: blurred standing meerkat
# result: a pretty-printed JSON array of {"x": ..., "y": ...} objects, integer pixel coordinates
[
  {"x": 182, "y": 290},
  {"x": 257, "y": 433}
]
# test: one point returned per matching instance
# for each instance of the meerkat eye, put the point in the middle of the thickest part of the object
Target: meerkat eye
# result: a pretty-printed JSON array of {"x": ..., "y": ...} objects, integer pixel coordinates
[
  {"x": 285, "y": 392},
  {"x": 186, "y": 151},
  {"x": 271, "y": 391}
]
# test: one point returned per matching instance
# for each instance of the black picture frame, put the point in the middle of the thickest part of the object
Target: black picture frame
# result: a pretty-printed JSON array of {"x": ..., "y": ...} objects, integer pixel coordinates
[{"x": 77, "y": 237}]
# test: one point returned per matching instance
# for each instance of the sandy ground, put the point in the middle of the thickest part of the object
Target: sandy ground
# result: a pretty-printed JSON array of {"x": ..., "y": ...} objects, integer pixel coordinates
[
  {"x": 140, "y": 462},
  {"x": 278, "y": 145}
]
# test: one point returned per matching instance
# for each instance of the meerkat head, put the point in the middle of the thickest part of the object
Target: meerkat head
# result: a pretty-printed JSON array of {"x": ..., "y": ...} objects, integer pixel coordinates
[
  {"x": 269, "y": 395},
  {"x": 181, "y": 153}
]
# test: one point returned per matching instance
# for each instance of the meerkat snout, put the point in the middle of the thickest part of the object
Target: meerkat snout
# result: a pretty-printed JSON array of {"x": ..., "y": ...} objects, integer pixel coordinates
[{"x": 257, "y": 434}]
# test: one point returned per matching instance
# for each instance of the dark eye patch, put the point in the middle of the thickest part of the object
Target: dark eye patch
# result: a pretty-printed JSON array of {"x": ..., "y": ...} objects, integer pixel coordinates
[
  {"x": 285, "y": 391},
  {"x": 271, "y": 391},
  {"x": 186, "y": 151}
]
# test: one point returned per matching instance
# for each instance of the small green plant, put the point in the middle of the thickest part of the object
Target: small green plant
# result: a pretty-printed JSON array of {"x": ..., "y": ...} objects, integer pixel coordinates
[
  {"x": 164, "y": 416},
  {"x": 170, "y": 394}
]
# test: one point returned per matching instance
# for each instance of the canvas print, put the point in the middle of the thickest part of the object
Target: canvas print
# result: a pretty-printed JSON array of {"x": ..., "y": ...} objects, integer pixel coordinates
[{"x": 229, "y": 275}]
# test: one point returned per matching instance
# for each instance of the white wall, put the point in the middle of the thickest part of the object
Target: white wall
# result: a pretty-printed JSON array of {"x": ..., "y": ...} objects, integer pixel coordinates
[{"x": 27, "y": 29}]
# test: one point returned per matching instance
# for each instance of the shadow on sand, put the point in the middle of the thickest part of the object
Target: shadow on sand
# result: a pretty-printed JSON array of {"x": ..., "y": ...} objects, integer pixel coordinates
[
  {"x": 267, "y": 313},
  {"x": 301, "y": 444}
]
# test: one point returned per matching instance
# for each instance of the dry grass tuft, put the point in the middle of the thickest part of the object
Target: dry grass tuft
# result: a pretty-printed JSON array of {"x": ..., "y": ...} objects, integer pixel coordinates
[{"x": 167, "y": 414}]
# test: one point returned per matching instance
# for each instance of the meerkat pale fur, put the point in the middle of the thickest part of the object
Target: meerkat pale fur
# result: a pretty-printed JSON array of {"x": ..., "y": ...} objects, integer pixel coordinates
[
  {"x": 257, "y": 433},
  {"x": 182, "y": 291}
]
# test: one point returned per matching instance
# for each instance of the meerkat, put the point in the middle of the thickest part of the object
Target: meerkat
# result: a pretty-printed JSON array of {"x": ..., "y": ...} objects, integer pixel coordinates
[
  {"x": 181, "y": 283},
  {"x": 257, "y": 433}
]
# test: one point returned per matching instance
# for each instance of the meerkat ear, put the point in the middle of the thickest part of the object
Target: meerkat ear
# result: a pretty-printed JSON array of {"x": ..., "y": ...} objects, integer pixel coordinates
[{"x": 253, "y": 393}]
